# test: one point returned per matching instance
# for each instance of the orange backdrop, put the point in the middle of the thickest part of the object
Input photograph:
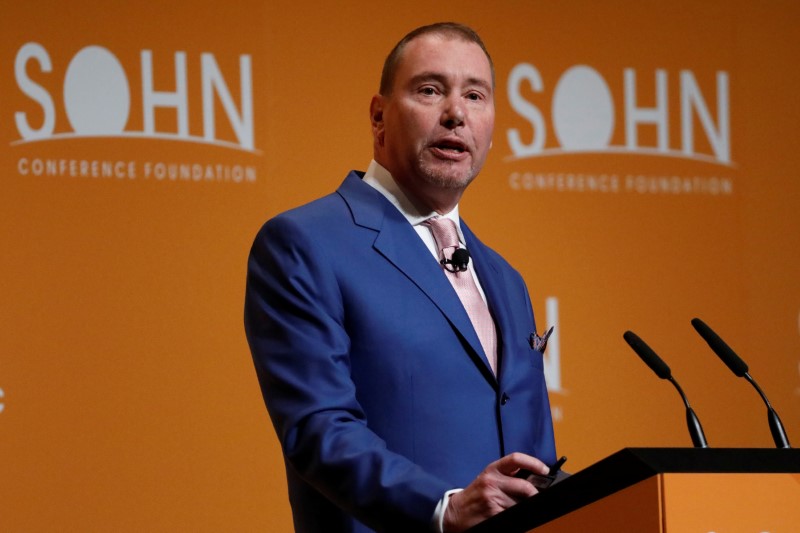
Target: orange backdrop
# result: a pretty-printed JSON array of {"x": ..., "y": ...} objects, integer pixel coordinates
[{"x": 644, "y": 171}]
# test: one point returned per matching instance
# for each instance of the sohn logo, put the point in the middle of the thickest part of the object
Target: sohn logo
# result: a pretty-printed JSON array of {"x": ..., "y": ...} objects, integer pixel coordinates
[
  {"x": 583, "y": 118},
  {"x": 97, "y": 101}
]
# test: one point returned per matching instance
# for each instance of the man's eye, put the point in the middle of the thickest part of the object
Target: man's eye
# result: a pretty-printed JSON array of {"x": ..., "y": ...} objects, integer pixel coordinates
[
  {"x": 428, "y": 91},
  {"x": 474, "y": 96}
]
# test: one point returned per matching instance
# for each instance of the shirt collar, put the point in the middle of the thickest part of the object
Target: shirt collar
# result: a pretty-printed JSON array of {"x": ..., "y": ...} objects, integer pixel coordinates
[{"x": 380, "y": 179}]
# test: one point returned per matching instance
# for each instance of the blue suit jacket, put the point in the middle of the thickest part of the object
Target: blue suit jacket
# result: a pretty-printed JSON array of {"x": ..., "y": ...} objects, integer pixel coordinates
[{"x": 372, "y": 373}]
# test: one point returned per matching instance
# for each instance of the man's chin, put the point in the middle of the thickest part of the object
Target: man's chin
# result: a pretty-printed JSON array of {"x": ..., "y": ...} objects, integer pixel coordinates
[{"x": 448, "y": 176}]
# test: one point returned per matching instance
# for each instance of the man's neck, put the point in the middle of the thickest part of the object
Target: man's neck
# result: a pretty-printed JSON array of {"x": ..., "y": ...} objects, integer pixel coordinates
[
  {"x": 382, "y": 180},
  {"x": 426, "y": 197}
]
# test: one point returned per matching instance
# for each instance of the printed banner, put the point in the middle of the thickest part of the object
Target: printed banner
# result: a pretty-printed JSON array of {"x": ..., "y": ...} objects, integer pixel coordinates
[{"x": 643, "y": 173}]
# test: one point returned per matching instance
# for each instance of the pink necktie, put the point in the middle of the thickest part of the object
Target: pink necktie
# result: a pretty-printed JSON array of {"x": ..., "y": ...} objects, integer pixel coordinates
[{"x": 446, "y": 236}]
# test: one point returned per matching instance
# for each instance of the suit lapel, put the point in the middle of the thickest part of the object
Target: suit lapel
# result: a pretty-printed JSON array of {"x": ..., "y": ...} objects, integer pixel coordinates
[{"x": 399, "y": 243}]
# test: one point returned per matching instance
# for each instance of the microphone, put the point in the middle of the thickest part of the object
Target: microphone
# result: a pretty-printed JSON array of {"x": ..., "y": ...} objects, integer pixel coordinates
[
  {"x": 457, "y": 263},
  {"x": 661, "y": 369},
  {"x": 739, "y": 368}
]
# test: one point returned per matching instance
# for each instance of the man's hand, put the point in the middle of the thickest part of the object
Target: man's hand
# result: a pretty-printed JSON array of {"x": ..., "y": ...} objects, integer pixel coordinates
[{"x": 494, "y": 490}]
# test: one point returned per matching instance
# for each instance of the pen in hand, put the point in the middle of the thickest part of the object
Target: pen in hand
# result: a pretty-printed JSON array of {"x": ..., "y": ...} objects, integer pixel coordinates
[{"x": 542, "y": 482}]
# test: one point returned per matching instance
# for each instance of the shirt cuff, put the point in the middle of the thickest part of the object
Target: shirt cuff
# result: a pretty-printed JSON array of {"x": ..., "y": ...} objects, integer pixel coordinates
[{"x": 441, "y": 508}]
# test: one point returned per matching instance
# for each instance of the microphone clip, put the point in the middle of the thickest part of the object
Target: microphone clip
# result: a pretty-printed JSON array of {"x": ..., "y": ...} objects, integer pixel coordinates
[{"x": 458, "y": 262}]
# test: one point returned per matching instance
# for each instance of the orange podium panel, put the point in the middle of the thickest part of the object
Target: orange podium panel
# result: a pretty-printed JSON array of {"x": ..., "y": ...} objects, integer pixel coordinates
[
  {"x": 731, "y": 503},
  {"x": 667, "y": 490}
]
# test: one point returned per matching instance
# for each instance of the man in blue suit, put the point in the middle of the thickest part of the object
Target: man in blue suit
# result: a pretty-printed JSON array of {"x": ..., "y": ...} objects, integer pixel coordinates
[{"x": 386, "y": 399}]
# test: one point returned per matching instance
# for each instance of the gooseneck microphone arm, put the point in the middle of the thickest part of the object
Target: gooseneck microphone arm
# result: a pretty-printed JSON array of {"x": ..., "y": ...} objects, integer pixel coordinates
[
  {"x": 776, "y": 428},
  {"x": 692, "y": 422},
  {"x": 739, "y": 368},
  {"x": 663, "y": 371}
]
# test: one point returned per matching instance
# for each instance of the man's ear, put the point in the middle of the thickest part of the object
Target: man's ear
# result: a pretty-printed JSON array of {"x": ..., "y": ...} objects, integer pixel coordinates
[{"x": 376, "y": 118}]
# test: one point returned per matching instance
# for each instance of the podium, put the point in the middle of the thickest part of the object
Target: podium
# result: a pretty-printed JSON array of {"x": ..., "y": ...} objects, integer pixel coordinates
[{"x": 667, "y": 490}]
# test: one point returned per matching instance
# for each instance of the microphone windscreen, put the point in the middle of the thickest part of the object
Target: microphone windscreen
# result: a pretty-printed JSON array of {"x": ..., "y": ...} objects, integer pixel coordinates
[
  {"x": 460, "y": 258},
  {"x": 720, "y": 348},
  {"x": 647, "y": 355}
]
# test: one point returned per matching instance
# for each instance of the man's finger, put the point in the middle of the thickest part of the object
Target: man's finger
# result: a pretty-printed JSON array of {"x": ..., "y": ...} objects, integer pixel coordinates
[
  {"x": 518, "y": 489},
  {"x": 513, "y": 463}
]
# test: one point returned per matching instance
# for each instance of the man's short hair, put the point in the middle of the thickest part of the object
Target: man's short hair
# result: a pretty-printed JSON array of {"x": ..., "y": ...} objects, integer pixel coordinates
[{"x": 445, "y": 29}]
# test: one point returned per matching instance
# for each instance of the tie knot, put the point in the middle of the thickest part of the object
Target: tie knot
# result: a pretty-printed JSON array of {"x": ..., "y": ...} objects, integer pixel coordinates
[{"x": 444, "y": 232}]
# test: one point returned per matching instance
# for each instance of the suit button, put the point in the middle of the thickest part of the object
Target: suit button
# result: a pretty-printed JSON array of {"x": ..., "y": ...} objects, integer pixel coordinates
[{"x": 504, "y": 399}]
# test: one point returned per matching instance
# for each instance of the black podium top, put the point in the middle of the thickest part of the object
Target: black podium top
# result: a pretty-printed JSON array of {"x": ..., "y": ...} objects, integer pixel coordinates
[{"x": 628, "y": 467}]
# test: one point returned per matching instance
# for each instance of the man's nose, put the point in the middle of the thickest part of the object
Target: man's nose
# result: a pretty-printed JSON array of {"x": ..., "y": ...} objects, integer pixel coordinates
[{"x": 453, "y": 114}]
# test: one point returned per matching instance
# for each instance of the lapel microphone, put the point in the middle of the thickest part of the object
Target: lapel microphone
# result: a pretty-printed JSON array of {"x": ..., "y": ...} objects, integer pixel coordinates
[{"x": 457, "y": 263}]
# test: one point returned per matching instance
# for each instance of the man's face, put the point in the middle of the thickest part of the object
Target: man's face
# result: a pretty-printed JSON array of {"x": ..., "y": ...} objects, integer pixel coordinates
[{"x": 434, "y": 130}]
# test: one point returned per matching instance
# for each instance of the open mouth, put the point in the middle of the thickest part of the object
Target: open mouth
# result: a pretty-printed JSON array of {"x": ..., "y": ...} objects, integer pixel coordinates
[{"x": 451, "y": 147}]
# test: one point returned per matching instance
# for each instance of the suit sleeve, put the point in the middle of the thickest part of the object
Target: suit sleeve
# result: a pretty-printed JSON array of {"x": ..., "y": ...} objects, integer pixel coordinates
[{"x": 294, "y": 320}]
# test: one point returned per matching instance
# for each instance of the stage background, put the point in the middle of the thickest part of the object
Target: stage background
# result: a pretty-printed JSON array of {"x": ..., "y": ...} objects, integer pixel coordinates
[{"x": 644, "y": 172}]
